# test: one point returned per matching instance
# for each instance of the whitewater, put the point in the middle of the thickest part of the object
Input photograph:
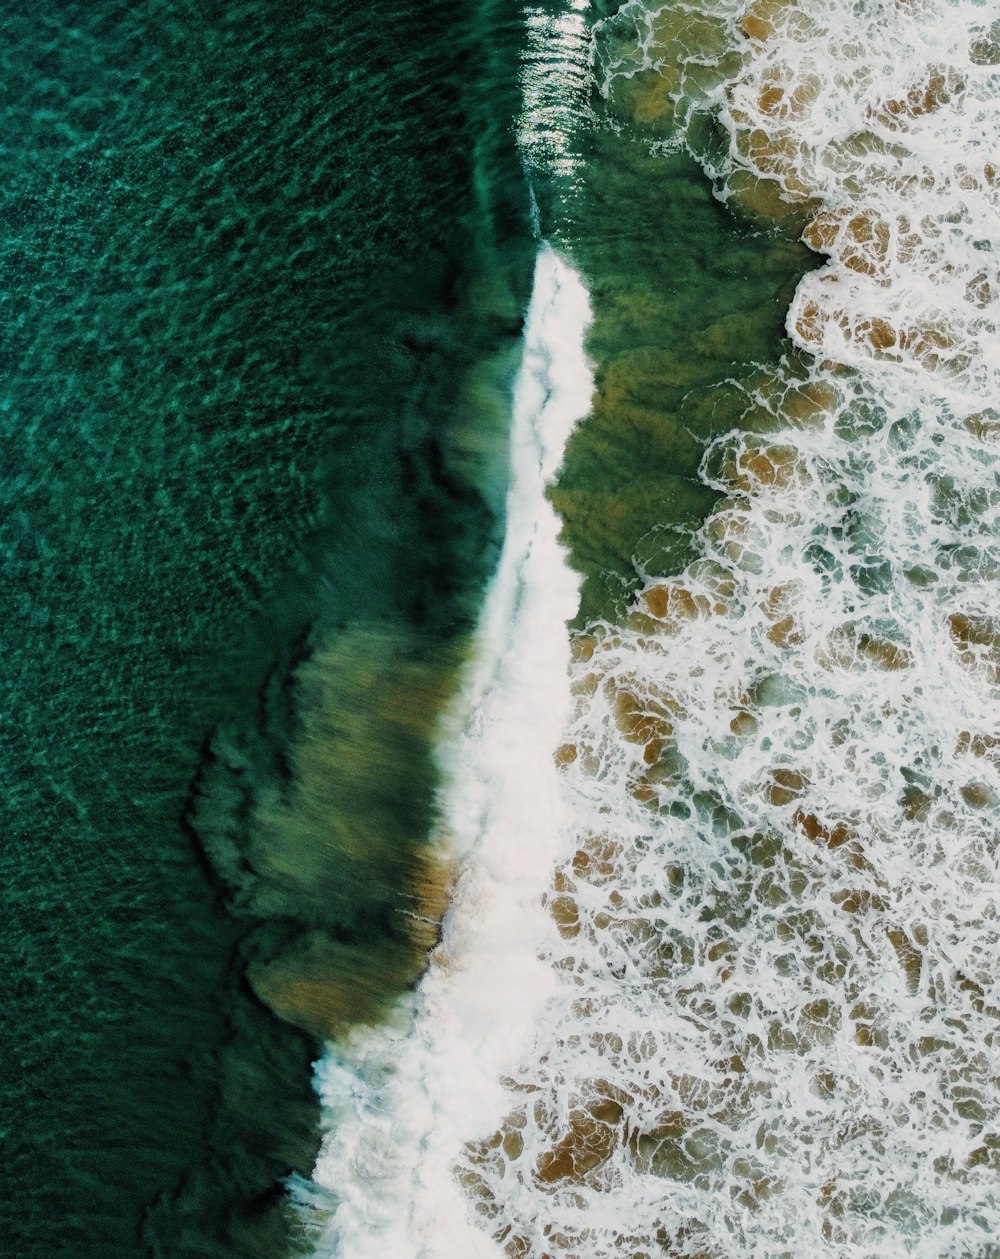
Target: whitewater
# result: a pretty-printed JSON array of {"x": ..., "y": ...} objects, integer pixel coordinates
[{"x": 720, "y": 978}]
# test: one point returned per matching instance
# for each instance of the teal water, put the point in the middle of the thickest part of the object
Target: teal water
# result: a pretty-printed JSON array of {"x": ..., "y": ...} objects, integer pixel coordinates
[{"x": 250, "y": 256}]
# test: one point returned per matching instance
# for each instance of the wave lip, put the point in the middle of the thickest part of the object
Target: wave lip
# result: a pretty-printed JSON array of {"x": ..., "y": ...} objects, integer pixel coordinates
[{"x": 401, "y": 1101}]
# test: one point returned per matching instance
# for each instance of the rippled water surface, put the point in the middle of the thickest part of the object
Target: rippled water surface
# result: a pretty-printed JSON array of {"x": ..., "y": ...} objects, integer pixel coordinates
[{"x": 235, "y": 241}]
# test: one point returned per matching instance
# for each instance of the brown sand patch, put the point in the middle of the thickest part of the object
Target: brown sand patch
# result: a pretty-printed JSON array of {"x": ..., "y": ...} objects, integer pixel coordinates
[
  {"x": 977, "y": 994},
  {"x": 764, "y": 18},
  {"x": 566, "y": 754},
  {"x": 910, "y": 957},
  {"x": 784, "y": 632},
  {"x": 786, "y": 784},
  {"x": 562, "y": 905},
  {"x": 859, "y": 901},
  {"x": 933, "y": 346},
  {"x": 671, "y": 603},
  {"x": 644, "y": 717},
  {"x": 985, "y": 50},
  {"x": 730, "y": 528},
  {"x": 663, "y": 767},
  {"x": 591, "y": 1138},
  {"x": 566, "y": 914},
  {"x": 869, "y": 1028},
  {"x": 980, "y": 291},
  {"x": 806, "y": 403},
  {"x": 582, "y": 646},
  {"x": 820, "y": 1014},
  {"x": 772, "y": 155},
  {"x": 822, "y": 232},
  {"x": 771, "y": 101},
  {"x": 743, "y": 724},
  {"x": 849, "y": 647},
  {"x": 781, "y": 99},
  {"x": 768, "y": 467},
  {"x": 923, "y": 98},
  {"x": 981, "y": 745},
  {"x": 758, "y": 1191},
  {"x": 832, "y": 1201},
  {"x": 784, "y": 201},
  {"x": 810, "y": 324},
  {"x": 978, "y": 795},
  {"x": 831, "y": 835},
  {"x": 784, "y": 629},
  {"x": 802, "y": 406},
  {"x": 598, "y": 859},
  {"x": 860, "y": 241},
  {"x": 683, "y": 46},
  {"x": 976, "y": 640},
  {"x": 718, "y": 582},
  {"x": 879, "y": 333}
]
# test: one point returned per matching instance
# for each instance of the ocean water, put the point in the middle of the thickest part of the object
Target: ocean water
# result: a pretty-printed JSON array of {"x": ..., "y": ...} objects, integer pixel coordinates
[
  {"x": 642, "y": 907},
  {"x": 718, "y": 976},
  {"x": 264, "y": 274}
]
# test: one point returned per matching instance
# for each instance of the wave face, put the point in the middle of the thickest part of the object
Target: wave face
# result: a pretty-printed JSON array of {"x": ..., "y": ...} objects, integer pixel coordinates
[{"x": 774, "y": 1021}]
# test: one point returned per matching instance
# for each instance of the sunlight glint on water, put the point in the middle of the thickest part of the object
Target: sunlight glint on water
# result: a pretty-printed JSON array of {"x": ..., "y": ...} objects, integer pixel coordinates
[{"x": 555, "y": 86}]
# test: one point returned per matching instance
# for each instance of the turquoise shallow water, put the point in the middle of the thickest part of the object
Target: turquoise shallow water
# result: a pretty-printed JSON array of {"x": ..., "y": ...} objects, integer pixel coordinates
[{"x": 235, "y": 239}]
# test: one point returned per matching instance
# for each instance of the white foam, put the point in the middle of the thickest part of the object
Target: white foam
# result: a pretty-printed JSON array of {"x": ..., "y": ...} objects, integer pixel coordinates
[
  {"x": 774, "y": 1022},
  {"x": 401, "y": 1101}
]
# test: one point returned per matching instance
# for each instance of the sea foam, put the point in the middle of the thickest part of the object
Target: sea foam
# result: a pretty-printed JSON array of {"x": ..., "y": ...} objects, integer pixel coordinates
[
  {"x": 774, "y": 1025},
  {"x": 402, "y": 1100}
]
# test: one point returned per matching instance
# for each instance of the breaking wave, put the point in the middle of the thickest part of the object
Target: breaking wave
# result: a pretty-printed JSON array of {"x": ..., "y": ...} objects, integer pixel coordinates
[{"x": 400, "y": 1100}]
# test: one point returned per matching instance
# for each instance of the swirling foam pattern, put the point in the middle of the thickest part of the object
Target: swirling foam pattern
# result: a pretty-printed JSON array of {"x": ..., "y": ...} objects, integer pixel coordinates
[{"x": 775, "y": 1026}]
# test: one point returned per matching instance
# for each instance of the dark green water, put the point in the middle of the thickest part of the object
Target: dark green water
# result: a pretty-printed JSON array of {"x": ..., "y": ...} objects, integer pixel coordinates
[{"x": 251, "y": 254}]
